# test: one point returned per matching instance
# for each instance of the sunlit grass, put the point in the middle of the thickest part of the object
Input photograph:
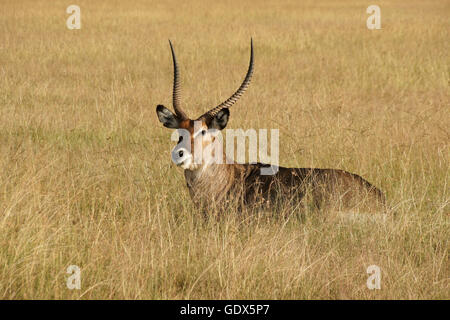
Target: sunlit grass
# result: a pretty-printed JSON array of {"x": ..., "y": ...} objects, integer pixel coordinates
[{"x": 85, "y": 173}]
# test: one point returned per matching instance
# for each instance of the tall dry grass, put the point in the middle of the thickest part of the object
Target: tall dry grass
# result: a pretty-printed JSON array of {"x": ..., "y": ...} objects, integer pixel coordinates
[{"x": 85, "y": 173}]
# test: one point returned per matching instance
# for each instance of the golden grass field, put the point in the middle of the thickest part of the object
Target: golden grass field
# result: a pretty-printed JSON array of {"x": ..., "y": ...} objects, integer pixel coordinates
[{"x": 85, "y": 172}]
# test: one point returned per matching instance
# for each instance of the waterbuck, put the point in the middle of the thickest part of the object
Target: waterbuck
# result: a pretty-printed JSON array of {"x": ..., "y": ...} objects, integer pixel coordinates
[{"x": 213, "y": 184}]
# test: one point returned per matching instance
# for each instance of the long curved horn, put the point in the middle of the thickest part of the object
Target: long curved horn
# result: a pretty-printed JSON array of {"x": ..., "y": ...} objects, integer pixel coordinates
[
  {"x": 235, "y": 97},
  {"x": 176, "y": 86}
]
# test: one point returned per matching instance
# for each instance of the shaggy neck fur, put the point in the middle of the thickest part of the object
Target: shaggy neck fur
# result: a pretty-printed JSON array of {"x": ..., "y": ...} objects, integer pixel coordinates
[{"x": 210, "y": 183}]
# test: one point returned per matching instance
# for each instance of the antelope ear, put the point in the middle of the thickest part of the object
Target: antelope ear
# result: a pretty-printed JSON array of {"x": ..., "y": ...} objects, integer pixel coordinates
[
  {"x": 167, "y": 118},
  {"x": 220, "y": 120}
]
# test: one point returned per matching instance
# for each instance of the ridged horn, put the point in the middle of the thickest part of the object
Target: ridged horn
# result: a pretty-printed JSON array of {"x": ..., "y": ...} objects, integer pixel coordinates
[
  {"x": 176, "y": 87},
  {"x": 239, "y": 92}
]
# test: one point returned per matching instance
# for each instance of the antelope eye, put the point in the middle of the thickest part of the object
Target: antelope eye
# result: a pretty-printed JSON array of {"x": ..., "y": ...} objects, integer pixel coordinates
[
  {"x": 203, "y": 132},
  {"x": 180, "y": 139}
]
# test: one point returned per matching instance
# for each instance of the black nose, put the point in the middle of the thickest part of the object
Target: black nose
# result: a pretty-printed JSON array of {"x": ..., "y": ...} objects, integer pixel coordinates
[{"x": 180, "y": 153}]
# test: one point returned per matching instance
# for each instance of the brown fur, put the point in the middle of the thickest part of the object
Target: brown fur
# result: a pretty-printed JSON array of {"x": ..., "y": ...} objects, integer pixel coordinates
[{"x": 218, "y": 185}]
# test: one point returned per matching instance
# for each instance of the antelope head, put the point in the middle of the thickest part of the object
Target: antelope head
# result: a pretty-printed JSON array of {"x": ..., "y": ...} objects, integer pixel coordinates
[{"x": 199, "y": 133}]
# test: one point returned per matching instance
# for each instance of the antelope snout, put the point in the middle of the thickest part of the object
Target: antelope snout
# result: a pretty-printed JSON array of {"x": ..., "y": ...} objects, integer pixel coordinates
[{"x": 180, "y": 155}]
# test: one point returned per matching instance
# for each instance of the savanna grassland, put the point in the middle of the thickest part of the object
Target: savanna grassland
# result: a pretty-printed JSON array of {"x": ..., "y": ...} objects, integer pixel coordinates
[{"x": 86, "y": 177}]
